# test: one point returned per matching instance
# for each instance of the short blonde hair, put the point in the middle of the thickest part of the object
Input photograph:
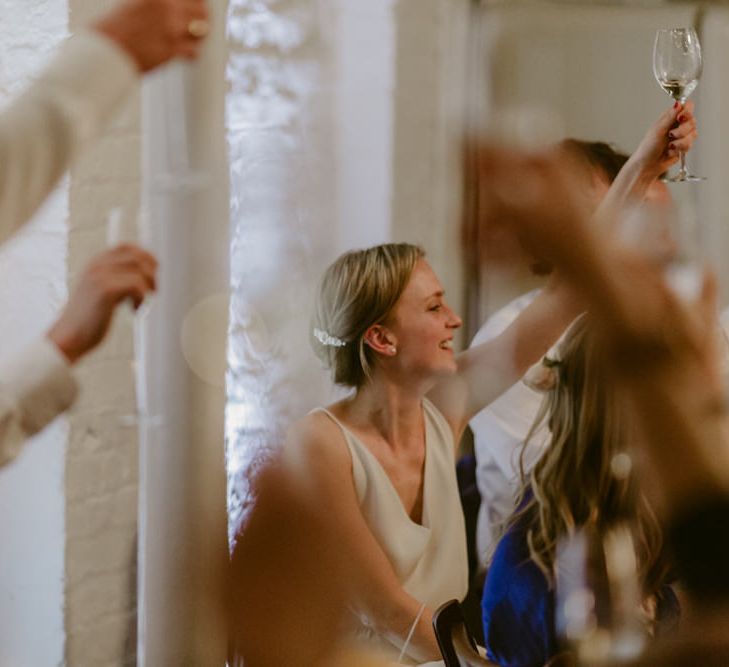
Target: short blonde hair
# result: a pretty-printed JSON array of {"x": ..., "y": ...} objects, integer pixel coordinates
[{"x": 358, "y": 290}]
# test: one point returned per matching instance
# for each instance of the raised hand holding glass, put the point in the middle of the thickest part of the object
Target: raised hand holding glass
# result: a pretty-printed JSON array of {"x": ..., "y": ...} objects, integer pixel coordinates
[{"x": 677, "y": 66}]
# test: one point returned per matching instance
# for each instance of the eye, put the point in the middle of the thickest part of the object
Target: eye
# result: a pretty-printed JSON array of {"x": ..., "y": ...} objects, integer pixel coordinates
[{"x": 435, "y": 308}]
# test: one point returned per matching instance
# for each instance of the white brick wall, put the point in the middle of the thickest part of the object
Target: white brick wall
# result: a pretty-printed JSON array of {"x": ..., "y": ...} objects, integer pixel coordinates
[
  {"x": 32, "y": 287},
  {"x": 102, "y": 461}
]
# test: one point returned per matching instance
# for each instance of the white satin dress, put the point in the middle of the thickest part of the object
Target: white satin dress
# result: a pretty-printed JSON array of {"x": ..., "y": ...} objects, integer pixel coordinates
[{"x": 430, "y": 559}]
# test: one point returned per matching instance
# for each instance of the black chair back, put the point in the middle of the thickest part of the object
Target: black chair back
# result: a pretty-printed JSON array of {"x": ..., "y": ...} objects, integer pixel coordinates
[{"x": 455, "y": 642}]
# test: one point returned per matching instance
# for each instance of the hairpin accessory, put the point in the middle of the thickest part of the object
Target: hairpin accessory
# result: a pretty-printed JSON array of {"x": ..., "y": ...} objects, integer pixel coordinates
[
  {"x": 543, "y": 375},
  {"x": 328, "y": 340}
]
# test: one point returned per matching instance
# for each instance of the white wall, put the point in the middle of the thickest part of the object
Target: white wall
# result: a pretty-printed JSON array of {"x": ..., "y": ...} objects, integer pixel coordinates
[
  {"x": 364, "y": 84},
  {"x": 591, "y": 67},
  {"x": 31, "y": 489}
]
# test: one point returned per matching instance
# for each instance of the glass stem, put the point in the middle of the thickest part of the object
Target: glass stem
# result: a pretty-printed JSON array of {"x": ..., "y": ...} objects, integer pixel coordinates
[{"x": 683, "y": 172}]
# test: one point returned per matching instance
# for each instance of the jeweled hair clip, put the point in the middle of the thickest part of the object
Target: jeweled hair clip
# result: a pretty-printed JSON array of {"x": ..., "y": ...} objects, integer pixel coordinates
[{"x": 327, "y": 339}]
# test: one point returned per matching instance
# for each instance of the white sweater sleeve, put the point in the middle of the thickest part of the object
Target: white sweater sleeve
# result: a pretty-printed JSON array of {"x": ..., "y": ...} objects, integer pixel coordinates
[
  {"x": 35, "y": 387},
  {"x": 66, "y": 107}
]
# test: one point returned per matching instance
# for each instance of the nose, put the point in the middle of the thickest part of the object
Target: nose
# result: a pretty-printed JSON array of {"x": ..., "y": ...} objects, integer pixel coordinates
[{"x": 454, "y": 322}]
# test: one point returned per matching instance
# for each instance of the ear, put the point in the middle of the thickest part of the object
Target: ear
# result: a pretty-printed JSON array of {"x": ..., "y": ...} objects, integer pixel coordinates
[{"x": 381, "y": 340}]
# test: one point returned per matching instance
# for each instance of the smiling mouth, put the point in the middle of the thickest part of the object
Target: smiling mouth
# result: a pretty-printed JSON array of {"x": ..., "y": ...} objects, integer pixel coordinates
[{"x": 446, "y": 345}]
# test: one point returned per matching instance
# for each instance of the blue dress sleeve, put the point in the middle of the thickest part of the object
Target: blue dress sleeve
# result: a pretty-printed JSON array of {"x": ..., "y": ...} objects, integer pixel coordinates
[{"x": 517, "y": 606}]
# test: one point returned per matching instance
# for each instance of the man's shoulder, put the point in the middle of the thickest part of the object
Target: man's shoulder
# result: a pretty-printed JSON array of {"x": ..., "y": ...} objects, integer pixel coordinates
[{"x": 502, "y": 318}]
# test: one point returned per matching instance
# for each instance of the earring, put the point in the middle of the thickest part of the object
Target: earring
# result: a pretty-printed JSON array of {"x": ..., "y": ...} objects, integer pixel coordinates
[{"x": 393, "y": 350}]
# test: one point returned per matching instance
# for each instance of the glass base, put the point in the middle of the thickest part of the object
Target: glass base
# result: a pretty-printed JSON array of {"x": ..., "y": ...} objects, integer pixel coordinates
[{"x": 684, "y": 178}]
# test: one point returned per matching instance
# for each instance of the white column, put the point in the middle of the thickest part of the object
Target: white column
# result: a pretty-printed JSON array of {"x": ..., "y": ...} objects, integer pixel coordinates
[{"x": 182, "y": 470}]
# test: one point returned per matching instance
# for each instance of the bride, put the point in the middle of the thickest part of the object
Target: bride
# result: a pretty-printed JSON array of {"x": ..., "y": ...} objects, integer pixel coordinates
[{"x": 380, "y": 463}]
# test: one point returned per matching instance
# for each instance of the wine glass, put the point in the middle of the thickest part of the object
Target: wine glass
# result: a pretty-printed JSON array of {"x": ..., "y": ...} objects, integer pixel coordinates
[
  {"x": 117, "y": 233},
  {"x": 677, "y": 66},
  {"x": 597, "y": 596}
]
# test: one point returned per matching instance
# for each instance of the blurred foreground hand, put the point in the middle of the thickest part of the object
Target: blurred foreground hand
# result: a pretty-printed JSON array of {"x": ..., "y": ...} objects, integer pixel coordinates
[{"x": 153, "y": 32}]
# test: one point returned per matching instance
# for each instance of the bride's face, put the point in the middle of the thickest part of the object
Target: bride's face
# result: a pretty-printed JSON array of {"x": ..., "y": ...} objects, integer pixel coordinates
[{"x": 423, "y": 325}]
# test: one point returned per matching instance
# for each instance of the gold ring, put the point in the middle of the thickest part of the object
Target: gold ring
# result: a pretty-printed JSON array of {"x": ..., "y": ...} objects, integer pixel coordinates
[{"x": 198, "y": 28}]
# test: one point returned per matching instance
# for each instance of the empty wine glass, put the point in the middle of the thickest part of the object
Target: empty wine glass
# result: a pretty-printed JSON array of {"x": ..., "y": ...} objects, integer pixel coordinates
[
  {"x": 677, "y": 66},
  {"x": 116, "y": 233}
]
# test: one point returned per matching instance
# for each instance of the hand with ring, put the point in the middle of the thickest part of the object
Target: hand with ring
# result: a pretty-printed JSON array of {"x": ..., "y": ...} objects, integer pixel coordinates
[
  {"x": 152, "y": 32},
  {"x": 198, "y": 28}
]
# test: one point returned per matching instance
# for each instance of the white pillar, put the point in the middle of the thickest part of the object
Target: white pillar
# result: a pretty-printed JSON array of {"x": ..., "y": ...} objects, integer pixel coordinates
[{"x": 183, "y": 550}]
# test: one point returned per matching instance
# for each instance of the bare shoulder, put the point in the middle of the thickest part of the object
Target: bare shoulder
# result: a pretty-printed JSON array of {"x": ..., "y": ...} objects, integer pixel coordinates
[{"x": 317, "y": 440}]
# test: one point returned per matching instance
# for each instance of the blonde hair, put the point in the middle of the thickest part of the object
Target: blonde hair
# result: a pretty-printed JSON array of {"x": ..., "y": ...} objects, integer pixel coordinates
[
  {"x": 573, "y": 483},
  {"x": 358, "y": 290}
]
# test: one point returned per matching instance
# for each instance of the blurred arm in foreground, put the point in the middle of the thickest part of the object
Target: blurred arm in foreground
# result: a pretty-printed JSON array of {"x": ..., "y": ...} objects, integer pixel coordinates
[{"x": 74, "y": 99}]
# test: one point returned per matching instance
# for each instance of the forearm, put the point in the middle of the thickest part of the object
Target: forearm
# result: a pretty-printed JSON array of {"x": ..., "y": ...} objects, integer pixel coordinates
[
  {"x": 528, "y": 339},
  {"x": 487, "y": 370},
  {"x": 594, "y": 265},
  {"x": 630, "y": 186},
  {"x": 394, "y": 619},
  {"x": 541, "y": 325},
  {"x": 47, "y": 126}
]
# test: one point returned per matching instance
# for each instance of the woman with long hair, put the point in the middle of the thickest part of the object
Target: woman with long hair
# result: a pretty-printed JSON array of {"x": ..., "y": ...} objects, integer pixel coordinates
[{"x": 578, "y": 482}]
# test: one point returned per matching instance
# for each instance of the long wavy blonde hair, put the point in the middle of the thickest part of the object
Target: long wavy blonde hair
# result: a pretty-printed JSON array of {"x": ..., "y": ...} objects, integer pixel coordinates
[{"x": 574, "y": 483}]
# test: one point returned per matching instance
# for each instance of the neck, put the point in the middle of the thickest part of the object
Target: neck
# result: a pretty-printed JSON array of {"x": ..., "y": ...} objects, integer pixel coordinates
[{"x": 394, "y": 411}]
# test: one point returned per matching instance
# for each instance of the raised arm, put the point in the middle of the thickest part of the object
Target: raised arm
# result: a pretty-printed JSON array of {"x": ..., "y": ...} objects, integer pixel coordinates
[
  {"x": 76, "y": 96},
  {"x": 487, "y": 370},
  {"x": 674, "y": 131},
  {"x": 36, "y": 385},
  {"x": 316, "y": 453},
  {"x": 665, "y": 348}
]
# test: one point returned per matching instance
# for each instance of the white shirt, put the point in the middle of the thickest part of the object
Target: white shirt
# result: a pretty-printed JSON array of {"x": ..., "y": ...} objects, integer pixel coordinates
[
  {"x": 66, "y": 107},
  {"x": 499, "y": 431},
  {"x": 35, "y": 387}
]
